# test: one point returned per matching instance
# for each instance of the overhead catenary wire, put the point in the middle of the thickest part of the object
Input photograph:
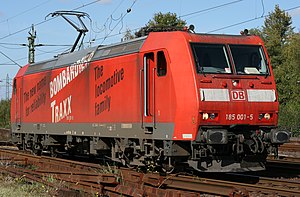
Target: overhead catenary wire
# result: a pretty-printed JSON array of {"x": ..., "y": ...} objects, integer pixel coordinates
[
  {"x": 249, "y": 20},
  {"x": 11, "y": 48},
  {"x": 106, "y": 21},
  {"x": 228, "y": 26},
  {"x": 121, "y": 17},
  {"x": 211, "y": 8},
  {"x": 60, "y": 50},
  {"x": 263, "y": 7},
  {"x": 10, "y": 59},
  {"x": 51, "y": 45},
  {"x": 121, "y": 20},
  {"x": 39, "y": 23},
  {"x": 25, "y": 11}
]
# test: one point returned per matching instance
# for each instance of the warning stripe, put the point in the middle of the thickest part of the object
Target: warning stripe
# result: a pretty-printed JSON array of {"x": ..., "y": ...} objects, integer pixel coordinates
[
  {"x": 261, "y": 95},
  {"x": 223, "y": 95}
]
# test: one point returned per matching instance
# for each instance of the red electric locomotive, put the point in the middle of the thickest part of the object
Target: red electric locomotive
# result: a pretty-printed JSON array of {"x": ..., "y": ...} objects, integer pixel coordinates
[{"x": 169, "y": 98}]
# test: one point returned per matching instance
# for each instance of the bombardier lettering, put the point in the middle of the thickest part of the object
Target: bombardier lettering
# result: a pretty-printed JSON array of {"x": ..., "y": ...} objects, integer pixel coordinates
[
  {"x": 63, "y": 110},
  {"x": 68, "y": 74}
]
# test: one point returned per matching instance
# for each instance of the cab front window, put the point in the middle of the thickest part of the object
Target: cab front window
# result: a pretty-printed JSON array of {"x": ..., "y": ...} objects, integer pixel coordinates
[
  {"x": 249, "y": 60},
  {"x": 211, "y": 58}
]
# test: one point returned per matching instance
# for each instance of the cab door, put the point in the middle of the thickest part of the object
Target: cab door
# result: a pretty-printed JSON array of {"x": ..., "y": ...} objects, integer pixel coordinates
[
  {"x": 149, "y": 70},
  {"x": 17, "y": 94}
]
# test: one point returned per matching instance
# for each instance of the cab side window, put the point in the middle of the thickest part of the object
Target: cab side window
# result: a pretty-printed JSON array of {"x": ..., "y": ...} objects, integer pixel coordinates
[
  {"x": 15, "y": 86},
  {"x": 161, "y": 64}
]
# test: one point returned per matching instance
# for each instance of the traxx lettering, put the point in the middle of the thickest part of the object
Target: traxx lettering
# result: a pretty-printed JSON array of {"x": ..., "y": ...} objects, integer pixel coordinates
[{"x": 61, "y": 110}]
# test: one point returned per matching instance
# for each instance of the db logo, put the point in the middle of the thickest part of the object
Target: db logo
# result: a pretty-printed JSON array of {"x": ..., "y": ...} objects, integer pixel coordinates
[{"x": 238, "y": 95}]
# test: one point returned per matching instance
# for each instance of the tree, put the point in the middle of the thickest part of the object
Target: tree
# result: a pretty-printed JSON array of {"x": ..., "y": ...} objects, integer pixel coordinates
[
  {"x": 283, "y": 47},
  {"x": 4, "y": 113},
  {"x": 257, "y": 32},
  {"x": 275, "y": 32},
  {"x": 162, "y": 22},
  {"x": 288, "y": 84}
]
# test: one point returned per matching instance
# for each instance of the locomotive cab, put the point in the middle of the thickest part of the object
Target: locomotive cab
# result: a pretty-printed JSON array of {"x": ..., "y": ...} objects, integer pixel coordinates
[{"x": 238, "y": 103}]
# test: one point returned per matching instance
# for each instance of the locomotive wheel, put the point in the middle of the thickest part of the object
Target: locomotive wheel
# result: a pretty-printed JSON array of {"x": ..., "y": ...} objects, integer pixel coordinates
[
  {"x": 37, "y": 149},
  {"x": 125, "y": 159},
  {"x": 127, "y": 164},
  {"x": 167, "y": 166},
  {"x": 53, "y": 152}
]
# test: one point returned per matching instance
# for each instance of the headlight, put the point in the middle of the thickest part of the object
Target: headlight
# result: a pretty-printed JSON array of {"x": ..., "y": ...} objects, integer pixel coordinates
[
  {"x": 267, "y": 116},
  {"x": 205, "y": 116},
  {"x": 264, "y": 116}
]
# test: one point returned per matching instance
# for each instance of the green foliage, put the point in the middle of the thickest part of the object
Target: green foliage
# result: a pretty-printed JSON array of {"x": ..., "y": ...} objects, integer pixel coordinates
[
  {"x": 283, "y": 47},
  {"x": 288, "y": 84},
  {"x": 289, "y": 116},
  {"x": 256, "y": 31},
  {"x": 5, "y": 114},
  {"x": 162, "y": 22},
  {"x": 276, "y": 31},
  {"x": 288, "y": 73},
  {"x": 166, "y": 20}
]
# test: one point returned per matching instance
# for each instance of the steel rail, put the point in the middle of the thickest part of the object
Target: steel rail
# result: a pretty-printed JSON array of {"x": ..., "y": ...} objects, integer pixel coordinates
[
  {"x": 91, "y": 178},
  {"x": 239, "y": 186}
]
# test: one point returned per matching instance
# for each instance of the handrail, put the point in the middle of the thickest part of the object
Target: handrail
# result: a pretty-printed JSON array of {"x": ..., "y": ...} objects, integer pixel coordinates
[
  {"x": 153, "y": 96},
  {"x": 141, "y": 97}
]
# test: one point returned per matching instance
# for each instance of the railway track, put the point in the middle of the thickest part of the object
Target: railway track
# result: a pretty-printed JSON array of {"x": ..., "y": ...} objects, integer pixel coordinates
[
  {"x": 292, "y": 146},
  {"x": 284, "y": 160},
  {"x": 106, "y": 180}
]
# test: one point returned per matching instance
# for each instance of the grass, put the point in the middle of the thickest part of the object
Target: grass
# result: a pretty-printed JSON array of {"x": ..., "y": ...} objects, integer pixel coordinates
[{"x": 12, "y": 187}]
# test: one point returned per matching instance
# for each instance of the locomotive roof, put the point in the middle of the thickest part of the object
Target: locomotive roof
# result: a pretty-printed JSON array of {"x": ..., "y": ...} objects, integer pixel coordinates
[
  {"x": 123, "y": 48},
  {"x": 100, "y": 52}
]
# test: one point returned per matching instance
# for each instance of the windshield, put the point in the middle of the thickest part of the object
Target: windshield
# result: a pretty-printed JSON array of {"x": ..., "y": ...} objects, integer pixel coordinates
[
  {"x": 211, "y": 58},
  {"x": 249, "y": 59}
]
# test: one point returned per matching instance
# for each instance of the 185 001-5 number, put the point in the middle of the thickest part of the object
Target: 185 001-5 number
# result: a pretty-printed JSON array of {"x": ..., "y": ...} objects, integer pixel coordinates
[{"x": 239, "y": 117}]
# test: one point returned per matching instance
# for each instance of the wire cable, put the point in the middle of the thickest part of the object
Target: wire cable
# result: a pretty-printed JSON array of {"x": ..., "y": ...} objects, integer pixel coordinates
[
  {"x": 249, "y": 20},
  {"x": 106, "y": 21},
  {"x": 10, "y": 59},
  {"x": 263, "y": 7},
  {"x": 121, "y": 20},
  {"x": 21, "y": 13},
  {"x": 211, "y": 8},
  {"x": 37, "y": 24}
]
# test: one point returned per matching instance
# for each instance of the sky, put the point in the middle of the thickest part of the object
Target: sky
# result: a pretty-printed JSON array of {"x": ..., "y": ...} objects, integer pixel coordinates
[{"x": 109, "y": 19}]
